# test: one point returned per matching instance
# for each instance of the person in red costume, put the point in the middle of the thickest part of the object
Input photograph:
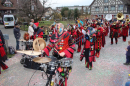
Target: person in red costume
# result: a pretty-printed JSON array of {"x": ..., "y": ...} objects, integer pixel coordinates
[
  {"x": 114, "y": 32},
  {"x": 37, "y": 33},
  {"x": 69, "y": 29},
  {"x": 79, "y": 37},
  {"x": 53, "y": 28},
  {"x": 106, "y": 28},
  {"x": 98, "y": 39},
  {"x": 3, "y": 56},
  {"x": 93, "y": 24},
  {"x": 61, "y": 42},
  {"x": 89, "y": 48},
  {"x": 125, "y": 29}
]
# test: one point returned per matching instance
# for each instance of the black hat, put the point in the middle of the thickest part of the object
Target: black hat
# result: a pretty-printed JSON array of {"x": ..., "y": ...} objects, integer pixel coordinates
[
  {"x": 16, "y": 24},
  {"x": 98, "y": 23}
]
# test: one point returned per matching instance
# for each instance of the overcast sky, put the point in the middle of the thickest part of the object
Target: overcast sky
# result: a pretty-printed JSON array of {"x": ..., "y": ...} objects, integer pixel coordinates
[{"x": 58, "y": 3}]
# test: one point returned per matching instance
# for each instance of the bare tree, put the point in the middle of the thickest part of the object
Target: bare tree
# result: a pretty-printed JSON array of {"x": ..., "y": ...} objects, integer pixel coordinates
[{"x": 33, "y": 9}]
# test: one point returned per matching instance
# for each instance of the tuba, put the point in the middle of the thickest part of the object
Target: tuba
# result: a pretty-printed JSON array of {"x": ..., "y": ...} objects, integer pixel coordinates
[
  {"x": 127, "y": 20},
  {"x": 108, "y": 17},
  {"x": 120, "y": 16}
]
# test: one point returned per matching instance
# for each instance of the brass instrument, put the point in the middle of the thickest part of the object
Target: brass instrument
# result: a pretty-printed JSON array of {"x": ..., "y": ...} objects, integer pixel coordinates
[
  {"x": 120, "y": 16},
  {"x": 127, "y": 20},
  {"x": 108, "y": 17}
]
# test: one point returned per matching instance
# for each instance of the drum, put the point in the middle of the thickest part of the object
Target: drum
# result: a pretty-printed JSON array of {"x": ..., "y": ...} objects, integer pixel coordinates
[
  {"x": 28, "y": 45},
  {"x": 28, "y": 63},
  {"x": 66, "y": 62},
  {"x": 51, "y": 66}
]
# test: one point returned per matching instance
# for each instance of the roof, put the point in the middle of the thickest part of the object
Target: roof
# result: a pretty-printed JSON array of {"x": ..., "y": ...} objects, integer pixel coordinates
[
  {"x": 92, "y": 3},
  {"x": 124, "y": 1}
]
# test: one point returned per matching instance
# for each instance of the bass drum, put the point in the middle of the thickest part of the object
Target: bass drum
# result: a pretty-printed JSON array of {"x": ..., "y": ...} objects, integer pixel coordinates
[{"x": 28, "y": 63}]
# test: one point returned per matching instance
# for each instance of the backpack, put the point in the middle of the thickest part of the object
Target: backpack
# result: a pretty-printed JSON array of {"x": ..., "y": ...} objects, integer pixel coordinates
[{"x": 11, "y": 50}]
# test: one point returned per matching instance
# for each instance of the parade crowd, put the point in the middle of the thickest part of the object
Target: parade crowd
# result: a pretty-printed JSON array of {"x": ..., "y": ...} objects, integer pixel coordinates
[{"x": 89, "y": 33}]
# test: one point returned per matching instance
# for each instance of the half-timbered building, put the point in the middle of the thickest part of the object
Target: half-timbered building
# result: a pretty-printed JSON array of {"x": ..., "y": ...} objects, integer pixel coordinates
[{"x": 102, "y": 7}]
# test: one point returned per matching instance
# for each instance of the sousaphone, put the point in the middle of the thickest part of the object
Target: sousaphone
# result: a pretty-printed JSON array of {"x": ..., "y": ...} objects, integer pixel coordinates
[
  {"x": 39, "y": 44},
  {"x": 120, "y": 16},
  {"x": 108, "y": 17}
]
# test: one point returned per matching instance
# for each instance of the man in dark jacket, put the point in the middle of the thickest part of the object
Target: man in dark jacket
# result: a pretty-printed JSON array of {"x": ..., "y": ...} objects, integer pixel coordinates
[{"x": 17, "y": 35}]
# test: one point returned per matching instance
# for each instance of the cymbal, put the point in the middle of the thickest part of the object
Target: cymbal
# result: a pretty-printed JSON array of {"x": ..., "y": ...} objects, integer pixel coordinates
[
  {"x": 29, "y": 52},
  {"x": 39, "y": 44},
  {"x": 22, "y": 40},
  {"x": 42, "y": 60}
]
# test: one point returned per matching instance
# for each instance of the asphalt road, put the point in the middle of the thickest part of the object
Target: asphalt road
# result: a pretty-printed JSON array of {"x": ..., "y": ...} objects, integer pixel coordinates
[{"x": 108, "y": 70}]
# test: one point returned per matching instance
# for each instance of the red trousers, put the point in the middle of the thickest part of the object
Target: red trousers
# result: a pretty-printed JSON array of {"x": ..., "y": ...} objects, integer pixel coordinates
[
  {"x": 79, "y": 45},
  {"x": 4, "y": 66}
]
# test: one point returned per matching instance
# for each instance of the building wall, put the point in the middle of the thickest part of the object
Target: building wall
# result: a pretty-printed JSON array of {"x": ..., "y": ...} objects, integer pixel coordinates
[{"x": 102, "y": 11}]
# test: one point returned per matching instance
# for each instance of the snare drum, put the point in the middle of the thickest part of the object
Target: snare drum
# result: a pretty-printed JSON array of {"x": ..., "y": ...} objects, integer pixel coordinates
[
  {"x": 51, "y": 66},
  {"x": 66, "y": 62},
  {"x": 28, "y": 44}
]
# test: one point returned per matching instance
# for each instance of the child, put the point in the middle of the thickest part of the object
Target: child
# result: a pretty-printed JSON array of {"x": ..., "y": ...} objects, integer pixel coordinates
[{"x": 127, "y": 54}]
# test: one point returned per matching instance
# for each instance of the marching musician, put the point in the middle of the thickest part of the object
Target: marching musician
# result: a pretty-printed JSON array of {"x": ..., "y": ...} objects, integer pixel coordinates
[
  {"x": 79, "y": 36},
  {"x": 89, "y": 48},
  {"x": 37, "y": 33},
  {"x": 93, "y": 24},
  {"x": 125, "y": 28},
  {"x": 61, "y": 42},
  {"x": 114, "y": 32},
  {"x": 98, "y": 39},
  {"x": 3, "y": 56},
  {"x": 106, "y": 28}
]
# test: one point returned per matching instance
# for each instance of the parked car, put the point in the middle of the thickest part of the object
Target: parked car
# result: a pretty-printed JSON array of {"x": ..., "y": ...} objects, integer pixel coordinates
[
  {"x": 1, "y": 21},
  {"x": 9, "y": 21}
]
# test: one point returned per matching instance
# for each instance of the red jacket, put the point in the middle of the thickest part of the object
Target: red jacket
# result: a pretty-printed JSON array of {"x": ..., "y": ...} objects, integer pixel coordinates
[
  {"x": 38, "y": 34},
  {"x": 65, "y": 45},
  {"x": 125, "y": 30}
]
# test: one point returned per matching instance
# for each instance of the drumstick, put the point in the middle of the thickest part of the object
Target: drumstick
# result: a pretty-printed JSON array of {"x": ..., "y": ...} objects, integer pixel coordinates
[{"x": 56, "y": 51}]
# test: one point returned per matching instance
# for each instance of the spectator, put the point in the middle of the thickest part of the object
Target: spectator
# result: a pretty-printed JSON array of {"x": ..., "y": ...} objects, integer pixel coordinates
[
  {"x": 17, "y": 35},
  {"x": 42, "y": 28},
  {"x": 127, "y": 54},
  {"x": 34, "y": 26},
  {"x": 30, "y": 29},
  {"x": 46, "y": 34}
]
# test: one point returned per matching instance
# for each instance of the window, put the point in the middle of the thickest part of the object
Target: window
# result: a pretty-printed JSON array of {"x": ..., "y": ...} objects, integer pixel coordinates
[
  {"x": 113, "y": 8},
  {"x": 106, "y": 8},
  {"x": 125, "y": 8},
  {"x": 120, "y": 7},
  {"x": 105, "y": 1},
  {"x": 96, "y": 8},
  {"x": 32, "y": 8},
  {"x": 8, "y": 19},
  {"x": 7, "y": 5}
]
